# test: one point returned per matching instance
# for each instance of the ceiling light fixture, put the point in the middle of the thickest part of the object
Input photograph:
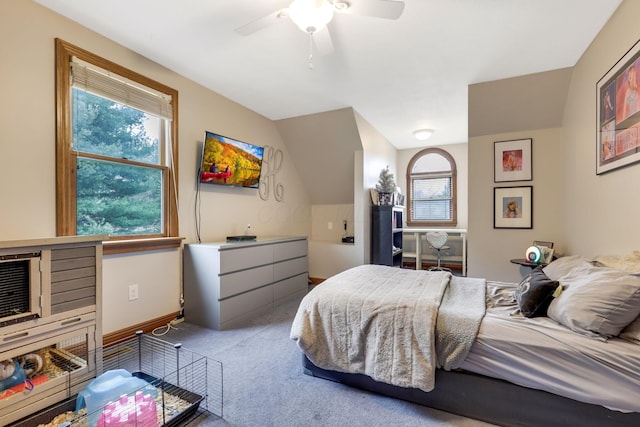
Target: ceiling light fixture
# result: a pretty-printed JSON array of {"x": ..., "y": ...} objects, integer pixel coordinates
[
  {"x": 311, "y": 16},
  {"x": 423, "y": 134},
  {"x": 341, "y": 6}
]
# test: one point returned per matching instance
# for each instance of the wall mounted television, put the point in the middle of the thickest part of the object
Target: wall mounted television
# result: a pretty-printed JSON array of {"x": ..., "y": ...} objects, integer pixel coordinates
[{"x": 227, "y": 161}]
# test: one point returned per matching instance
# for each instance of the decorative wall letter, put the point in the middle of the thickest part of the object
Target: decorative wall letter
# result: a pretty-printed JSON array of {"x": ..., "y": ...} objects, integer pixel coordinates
[{"x": 271, "y": 164}]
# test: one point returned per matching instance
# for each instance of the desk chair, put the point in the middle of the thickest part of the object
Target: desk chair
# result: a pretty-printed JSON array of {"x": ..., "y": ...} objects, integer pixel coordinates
[{"x": 437, "y": 240}]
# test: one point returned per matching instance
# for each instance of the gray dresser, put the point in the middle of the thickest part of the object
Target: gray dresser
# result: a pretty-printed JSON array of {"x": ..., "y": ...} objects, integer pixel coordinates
[{"x": 226, "y": 284}]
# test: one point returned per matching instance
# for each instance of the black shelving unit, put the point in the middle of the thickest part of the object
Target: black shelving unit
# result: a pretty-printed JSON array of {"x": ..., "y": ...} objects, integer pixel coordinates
[{"x": 386, "y": 235}]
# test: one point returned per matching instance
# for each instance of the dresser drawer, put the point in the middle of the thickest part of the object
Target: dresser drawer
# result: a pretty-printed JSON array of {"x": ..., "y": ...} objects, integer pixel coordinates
[
  {"x": 288, "y": 250},
  {"x": 288, "y": 288},
  {"x": 245, "y": 280},
  {"x": 243, "y": 306},
  {"x": 292, "y": 267},
  {"x": 245, "y": 257}
]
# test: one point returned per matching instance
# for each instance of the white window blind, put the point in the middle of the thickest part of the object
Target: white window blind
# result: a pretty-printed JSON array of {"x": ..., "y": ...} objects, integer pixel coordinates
[
  {"x": 119, "y": 89},
  {"x": 431, "y": 198}
]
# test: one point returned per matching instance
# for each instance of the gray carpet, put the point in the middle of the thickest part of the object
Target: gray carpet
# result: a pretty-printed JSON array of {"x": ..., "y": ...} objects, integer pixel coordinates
[{"x": 264, "y": 384}]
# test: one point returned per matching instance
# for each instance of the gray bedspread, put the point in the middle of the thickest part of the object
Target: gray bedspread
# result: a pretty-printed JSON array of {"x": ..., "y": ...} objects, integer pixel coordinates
[{"x": 393, "y": 325}]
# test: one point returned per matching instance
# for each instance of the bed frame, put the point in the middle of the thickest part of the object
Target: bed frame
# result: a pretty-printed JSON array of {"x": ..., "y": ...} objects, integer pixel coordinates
[{"x": 489, "y": 399}]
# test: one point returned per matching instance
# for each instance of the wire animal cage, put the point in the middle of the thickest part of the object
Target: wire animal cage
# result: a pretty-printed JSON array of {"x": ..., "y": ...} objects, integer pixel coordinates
[{"x": 183, "y": 384}]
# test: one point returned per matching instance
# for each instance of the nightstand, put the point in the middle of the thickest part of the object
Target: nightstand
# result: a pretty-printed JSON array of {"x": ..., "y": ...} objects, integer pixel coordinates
[{"x": 523, "y": 262}]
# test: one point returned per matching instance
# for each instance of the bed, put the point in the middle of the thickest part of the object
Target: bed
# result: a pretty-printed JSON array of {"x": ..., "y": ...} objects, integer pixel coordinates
[{"x": 560, "y": 348}]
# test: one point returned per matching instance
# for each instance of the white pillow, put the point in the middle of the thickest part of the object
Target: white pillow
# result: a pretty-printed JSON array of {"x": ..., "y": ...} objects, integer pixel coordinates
[
  {"x": 564, "y": 265},
  {"x": 632, "y": 331},
  {"x": 629, "y": 263},
  {"x": 597, "y": 300}
]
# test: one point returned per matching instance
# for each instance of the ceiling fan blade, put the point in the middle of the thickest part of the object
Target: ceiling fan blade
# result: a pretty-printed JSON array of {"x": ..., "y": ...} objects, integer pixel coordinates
[
  {"x": 260, "y": 23},
  {"x": 323, "y": 42},
  {"x": 386, "y": 9}
]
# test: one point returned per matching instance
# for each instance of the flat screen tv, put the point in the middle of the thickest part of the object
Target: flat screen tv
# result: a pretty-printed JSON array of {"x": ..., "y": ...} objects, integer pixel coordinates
[{"x": 227, "y": 161}]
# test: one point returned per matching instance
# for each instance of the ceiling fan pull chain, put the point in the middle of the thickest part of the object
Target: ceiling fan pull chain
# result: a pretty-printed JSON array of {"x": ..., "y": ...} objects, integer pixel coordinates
[{"x": 310, "y": 50}]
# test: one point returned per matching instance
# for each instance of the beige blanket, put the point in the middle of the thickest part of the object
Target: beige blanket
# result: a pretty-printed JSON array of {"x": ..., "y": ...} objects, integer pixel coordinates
[{"x": 381, "y": 321}]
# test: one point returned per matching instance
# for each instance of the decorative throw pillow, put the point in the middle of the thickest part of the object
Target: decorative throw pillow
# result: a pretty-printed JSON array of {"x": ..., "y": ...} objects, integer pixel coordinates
[
  {"x": 535, "y": 293},
  {"x": 564, "y": 265},
  {"x": 597, "y": 301}
]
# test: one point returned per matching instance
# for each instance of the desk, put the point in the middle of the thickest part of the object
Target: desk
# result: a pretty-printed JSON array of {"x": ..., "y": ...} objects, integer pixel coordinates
[
  {"x": 419, "y": 232},
  {"x": 523, "y": 262}
]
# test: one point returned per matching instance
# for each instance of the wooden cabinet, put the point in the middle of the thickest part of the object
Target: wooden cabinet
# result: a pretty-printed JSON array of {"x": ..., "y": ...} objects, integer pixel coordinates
[
  {"x": 386, "y": 235},
  {"x": 50, "y": 314},
  {"x": 226, "y": 284}
]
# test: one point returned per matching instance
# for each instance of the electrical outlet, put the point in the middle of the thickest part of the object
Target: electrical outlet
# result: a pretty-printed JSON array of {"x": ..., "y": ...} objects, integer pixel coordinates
[
  {"x": 177, "y": 320},
  {"x": 330, "y": 225},
  {"x": 133, "y": 292}
]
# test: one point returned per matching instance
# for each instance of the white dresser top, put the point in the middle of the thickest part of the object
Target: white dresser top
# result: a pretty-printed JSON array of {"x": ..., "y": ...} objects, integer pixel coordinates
[{"x": 260, "y": 240}]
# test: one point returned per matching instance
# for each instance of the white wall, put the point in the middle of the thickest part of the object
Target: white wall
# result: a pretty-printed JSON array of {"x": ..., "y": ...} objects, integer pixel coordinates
[
  {"x": 327, "y": 224},
  {"x": 581, "y": 212},
  {"x": 490, "y": 250},
  {"x": 328, "y": 255},
  {"x": 377, "y": 154},
  {"x": 27, "y": 161},
  {"x": 600, "y": 213},
  {"x": 156, "y": 275}
]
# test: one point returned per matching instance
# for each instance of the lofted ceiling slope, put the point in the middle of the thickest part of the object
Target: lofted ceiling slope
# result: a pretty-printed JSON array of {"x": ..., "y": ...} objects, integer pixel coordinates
[
  {"x": 322, "y": 147},
  {"x": 400, "y": 75}
]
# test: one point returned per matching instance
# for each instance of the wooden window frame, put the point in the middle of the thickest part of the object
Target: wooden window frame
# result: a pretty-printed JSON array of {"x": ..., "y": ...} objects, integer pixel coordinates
[
  {"x": 454, "y": 194},
  {"x": 66, "y": 157}
]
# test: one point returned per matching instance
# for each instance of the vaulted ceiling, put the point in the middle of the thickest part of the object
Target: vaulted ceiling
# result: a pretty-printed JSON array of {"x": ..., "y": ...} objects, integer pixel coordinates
[{"x": 400, "y": 75}]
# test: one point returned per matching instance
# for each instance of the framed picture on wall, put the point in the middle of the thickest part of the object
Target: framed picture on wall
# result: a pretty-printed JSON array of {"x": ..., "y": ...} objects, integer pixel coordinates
[
  {"x": 543, "y": 243},
  {"x": 618, "y": 114},
  {"x": 513, "y": 207},
  {"x": 512, "y": 160}
]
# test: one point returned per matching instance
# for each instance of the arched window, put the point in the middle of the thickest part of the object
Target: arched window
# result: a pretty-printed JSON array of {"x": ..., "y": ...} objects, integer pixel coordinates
[{"x": 431, "y": 183}]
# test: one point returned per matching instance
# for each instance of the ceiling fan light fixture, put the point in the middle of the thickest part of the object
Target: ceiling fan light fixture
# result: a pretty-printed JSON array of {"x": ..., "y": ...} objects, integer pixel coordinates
[
  {"x": 423, "y": 134},
  {"x": 341, "y": 6},
  {"x": 310, "y": 15}
]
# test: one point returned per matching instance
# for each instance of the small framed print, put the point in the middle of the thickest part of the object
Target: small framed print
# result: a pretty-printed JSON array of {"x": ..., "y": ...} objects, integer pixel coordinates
[
  {"x": 547, "y": 250},
  {"x": 513, "y": 207},
  {"x": 547, "y": 254},
  {"x": 512, "y": 160},
  {"x": 374, "y": 196},
  {"x": 543, "y": 243}
]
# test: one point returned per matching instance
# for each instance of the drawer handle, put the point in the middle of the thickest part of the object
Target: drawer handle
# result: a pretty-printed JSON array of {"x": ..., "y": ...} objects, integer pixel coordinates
[
  {"x": 16, "y": 336},
  {"x": 70, "y": 321}
]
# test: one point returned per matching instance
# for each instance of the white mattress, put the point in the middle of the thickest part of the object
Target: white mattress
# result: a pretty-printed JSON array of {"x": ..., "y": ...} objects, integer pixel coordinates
[{"x": 542, "y": 354}]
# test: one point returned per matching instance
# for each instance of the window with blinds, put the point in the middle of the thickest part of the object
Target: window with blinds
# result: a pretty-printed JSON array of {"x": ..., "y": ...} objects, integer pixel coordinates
[
  {"x": 431, "y": 180},
  {"x": 119, "y": 89},
  {"x": 117, "y": 140},
  {"x": 431, "y": 199}
]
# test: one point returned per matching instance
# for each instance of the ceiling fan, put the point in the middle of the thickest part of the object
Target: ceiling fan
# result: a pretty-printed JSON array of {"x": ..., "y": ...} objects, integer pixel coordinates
[{"x": 312, "y": 17}]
